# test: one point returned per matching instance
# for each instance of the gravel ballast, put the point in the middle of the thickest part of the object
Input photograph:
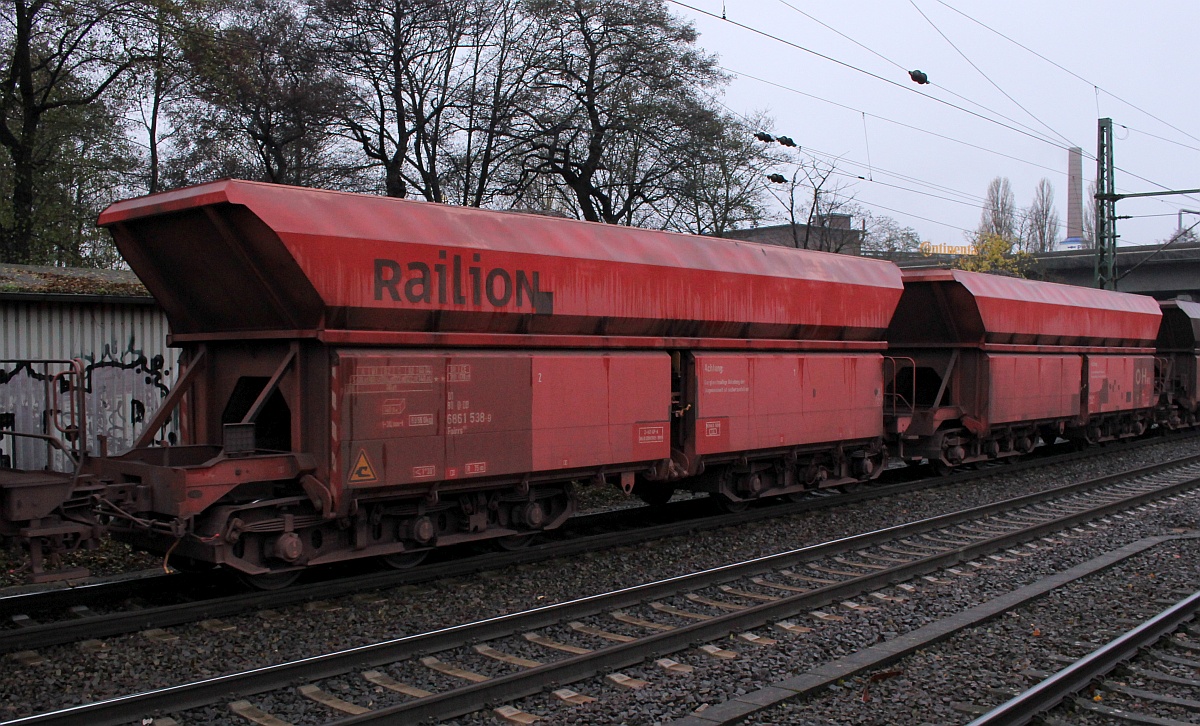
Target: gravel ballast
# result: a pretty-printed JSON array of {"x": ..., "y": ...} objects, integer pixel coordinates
[
  {"x": 982, "y": 667},
  {"x": 133, "y": 663}
]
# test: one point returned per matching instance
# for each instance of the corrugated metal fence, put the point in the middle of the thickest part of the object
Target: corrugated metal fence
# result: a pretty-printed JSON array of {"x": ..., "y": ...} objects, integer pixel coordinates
[{"x": 128, "y": 368}]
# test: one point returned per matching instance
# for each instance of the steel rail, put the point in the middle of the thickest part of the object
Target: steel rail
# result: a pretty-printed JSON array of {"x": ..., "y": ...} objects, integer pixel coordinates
[
  {"x": 1024, "y": 707},
  {"x": 529, "y": 682},
  {"x": 50, "y": 634},
  {"x": 60, "y": 598},
  {"x": 182, "y": 697}
]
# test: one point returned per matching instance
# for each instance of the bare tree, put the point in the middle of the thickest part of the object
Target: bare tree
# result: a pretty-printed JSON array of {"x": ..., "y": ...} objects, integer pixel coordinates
[
  {"x": 485, "y": 149},
  {"x": 999, "y": 217},
  {"x": 165, "y": 75},
  {"x": 1040, "y": 223},
  {"x": 58, "y": 56},
  {"x": 814, "y": 201},
  {"x": 718, "y": 183},
  {"x": 404, "y": 62},
  {"x": 830, "y": 205},
  {"x": 264, "y": 85},
  {"x": 886, "y": 238},
  {"x": 618, "y": 89}
]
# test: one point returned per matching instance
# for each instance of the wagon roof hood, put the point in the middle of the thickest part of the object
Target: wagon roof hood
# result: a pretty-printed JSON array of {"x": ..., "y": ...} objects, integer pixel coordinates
[
  {"x": 981, "y": 308},
  {"x": 240, "y": 256}
]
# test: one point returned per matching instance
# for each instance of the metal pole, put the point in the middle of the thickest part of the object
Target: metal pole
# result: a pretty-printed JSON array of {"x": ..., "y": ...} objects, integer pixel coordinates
[
  {"x": 1106, "y": 223},
  {"x": 1179, "y": 227}
]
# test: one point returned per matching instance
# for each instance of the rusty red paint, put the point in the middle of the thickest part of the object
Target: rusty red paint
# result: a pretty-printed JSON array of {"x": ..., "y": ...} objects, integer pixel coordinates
[
  {"x": 423, "y": 416},
  {"x": 977, "y": 308},
  {"x": 1033, "y": 387},
  {"x": 1119, "y": 383},
  {"x": 235, "y": 255},
  {"x": 763, "y": 401},
  {"x": 419, "y": 375}
]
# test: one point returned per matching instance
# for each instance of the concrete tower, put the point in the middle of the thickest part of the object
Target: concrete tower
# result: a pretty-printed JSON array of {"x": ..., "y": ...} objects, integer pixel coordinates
[{"x": 1075, "y": 198}]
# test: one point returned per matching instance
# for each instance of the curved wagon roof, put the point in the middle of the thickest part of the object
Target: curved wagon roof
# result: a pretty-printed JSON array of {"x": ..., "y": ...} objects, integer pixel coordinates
[
  {"x": 244, "y": 256},
  {"x": 977, "y": 308},
  {"x": 1180, "y": 329}
]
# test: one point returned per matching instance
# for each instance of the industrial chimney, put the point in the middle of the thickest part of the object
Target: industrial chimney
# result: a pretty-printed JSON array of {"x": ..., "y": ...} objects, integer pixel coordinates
[{"x": 1075, "y": 238}]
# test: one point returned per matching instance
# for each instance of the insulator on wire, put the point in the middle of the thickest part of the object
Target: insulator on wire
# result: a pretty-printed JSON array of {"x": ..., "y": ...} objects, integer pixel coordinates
[
  {"x": 777, "y": 178},
  {"x": 763, "y": 136},
  {"x": 786, "y": 141},
  {"x": 919, "y": 77}
]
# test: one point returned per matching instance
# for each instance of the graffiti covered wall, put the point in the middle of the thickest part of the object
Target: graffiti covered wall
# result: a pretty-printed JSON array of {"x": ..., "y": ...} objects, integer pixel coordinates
[{"x": 128, "y": 371}]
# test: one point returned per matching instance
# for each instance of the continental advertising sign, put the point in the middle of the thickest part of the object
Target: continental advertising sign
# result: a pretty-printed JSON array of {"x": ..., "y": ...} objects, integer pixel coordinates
[{"x": 929, "y": 248}]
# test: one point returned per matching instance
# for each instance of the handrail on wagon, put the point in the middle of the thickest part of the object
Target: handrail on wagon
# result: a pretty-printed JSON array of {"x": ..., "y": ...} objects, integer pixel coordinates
[
  {"x": 1164, "y": 371},
  {"x": 70, "y": 422},
  {"x": 896, "y": 403}
]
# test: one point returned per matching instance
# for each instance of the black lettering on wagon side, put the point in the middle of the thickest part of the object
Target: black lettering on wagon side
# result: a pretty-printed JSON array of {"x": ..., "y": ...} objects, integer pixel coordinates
[{"x": 455, "y": 283}]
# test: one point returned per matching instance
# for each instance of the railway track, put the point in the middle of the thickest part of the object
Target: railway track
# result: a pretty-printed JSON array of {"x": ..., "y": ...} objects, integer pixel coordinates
[
  {"x": 1141, "y": 653},
  {"x": 612, "y": 631},
  {"x": 59, "y": 616},
  {"x": 918, "y": 658}
]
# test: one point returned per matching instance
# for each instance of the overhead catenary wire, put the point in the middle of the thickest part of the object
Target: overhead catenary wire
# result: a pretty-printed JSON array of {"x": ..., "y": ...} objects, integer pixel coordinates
[
  {"x": 911, "y": 127},
  {"x": 977, "y": 202},
  {"x": 863, "y": 71},
  {"x": 967, "y": 198},
  {"x": 876, "y": 53},
  {"x": 1087, "y": 154},
  {"x": 916, "y": 216},
  {"x": 867, "y": 145},
  {"x": 1160, "y": 138},
  {"x": 832, "y": 29},
  {"x": 1069, "y": 72},
  {"x": 985, "y": 75},
  {"x": 977, "y": 199},
  {"x": 972, "y": 200}
]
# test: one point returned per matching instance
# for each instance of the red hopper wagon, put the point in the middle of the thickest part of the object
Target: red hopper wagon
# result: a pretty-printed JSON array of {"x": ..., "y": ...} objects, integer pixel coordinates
[
  {"x": 1178, "y": 364},
  {"x": 983, "y": 365},
  {"x": 367, "y": 376}
]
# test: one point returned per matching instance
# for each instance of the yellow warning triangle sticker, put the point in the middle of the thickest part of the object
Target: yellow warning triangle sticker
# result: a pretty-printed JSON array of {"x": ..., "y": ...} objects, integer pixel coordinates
[{"x": 362, "y": 471}]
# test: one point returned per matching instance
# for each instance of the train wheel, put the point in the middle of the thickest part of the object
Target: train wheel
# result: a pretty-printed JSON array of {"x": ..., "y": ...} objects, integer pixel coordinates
[
  {"x": 270, "y": 580},
  {"x": 655, "y": 496},
  {"x": 941, "y": 468},
  {"x": 729, "y": 505},
  {"x": 404, "y": 560}
]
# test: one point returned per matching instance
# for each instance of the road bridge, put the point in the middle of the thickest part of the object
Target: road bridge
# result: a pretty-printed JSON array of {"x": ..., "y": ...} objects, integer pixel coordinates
[{"x": 1168, "y": 274}]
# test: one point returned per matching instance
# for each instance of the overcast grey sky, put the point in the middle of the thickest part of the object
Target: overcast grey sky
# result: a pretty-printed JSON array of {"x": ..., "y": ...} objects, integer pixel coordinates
[{"x": 1145, "y": 53}]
